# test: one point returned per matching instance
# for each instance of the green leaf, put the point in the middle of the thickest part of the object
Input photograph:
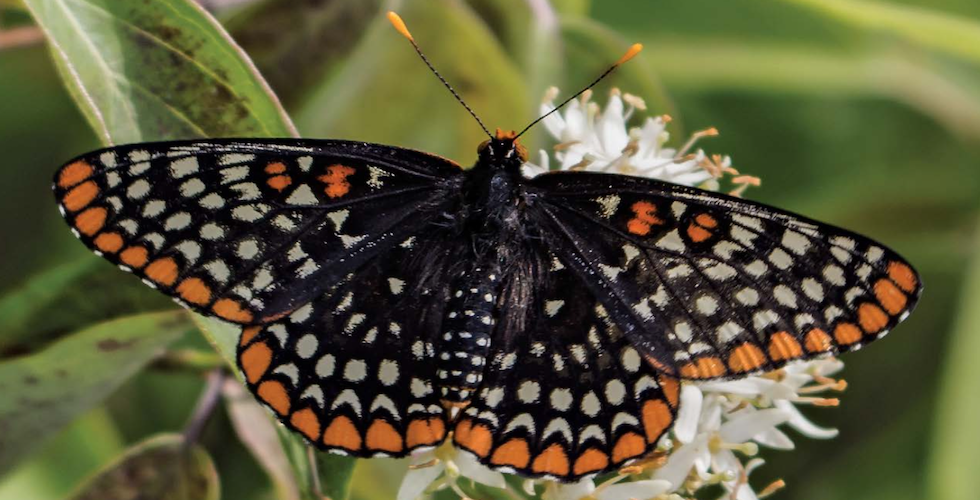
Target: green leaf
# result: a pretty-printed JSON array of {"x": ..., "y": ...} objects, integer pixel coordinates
[
  {"x": 163, "y": 467},
  {"x": 157, "y": 70},
  {"x": 592, "y": 47},
  {"x": 43, "y": 392},
  {"x": 20, "y": 306},
  {"x": 335, "y": 473},
  {"x": 947, "y": 33},
  {"x": 956, "y": 436},
  {"x": 297, "y": 43},
  {"x": 385, "y": 94},
  {"x": 258, "y": 433},
  {"x": 767, "y": 69},
  {"x": 530, "y": 33}
]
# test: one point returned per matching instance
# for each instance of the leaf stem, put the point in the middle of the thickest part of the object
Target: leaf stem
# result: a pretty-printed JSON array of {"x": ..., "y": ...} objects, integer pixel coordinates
[{"x": 204, "y": 407}]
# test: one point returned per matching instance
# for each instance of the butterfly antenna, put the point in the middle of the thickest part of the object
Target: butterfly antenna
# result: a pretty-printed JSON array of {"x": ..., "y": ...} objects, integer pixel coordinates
[
  {"x": 630, "y": 53},
  {"x": 399, "y": 25}
]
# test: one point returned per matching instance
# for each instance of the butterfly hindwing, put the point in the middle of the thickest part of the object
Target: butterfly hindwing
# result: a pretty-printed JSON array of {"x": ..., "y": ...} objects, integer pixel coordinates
[
  {"x": 248, "y": 230},
  {"x": 353, "y": 371},
  {"x": 568, "y": 397},
  {"x": 714, "y": 286}
]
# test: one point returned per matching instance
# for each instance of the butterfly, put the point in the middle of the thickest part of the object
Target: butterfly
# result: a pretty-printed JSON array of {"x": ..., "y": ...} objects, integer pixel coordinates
[{"x": 390, "y": 300}]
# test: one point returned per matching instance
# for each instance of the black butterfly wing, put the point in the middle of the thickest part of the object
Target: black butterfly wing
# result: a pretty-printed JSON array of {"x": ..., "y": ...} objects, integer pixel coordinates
[
  {"x": 708, "y": 285},
  {"x": 354, "y": 371},
  {"x": 249, "y": 230},
  {"x": 569, "y": 395}
]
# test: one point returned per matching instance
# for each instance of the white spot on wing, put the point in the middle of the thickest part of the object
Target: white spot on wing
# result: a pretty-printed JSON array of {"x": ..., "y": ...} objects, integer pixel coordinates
[{"x": 302, "y": 195}]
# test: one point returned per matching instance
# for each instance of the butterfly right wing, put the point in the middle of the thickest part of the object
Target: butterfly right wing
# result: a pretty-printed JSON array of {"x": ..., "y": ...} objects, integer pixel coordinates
[
  {"x": 249, "y": 230},
  {"x": 712, "y": 286}
]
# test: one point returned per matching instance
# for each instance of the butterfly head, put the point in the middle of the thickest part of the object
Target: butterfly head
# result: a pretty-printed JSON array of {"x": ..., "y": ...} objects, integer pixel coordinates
[{"x": 504, "y": 150}]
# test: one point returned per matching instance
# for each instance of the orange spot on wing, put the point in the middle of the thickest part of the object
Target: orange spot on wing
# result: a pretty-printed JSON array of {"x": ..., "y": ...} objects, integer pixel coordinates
[
  {"x": 644, "y": 218},
  {"x": 248, "y": 334},
  {"x": 514, "y": 453},
  {"x": 109, "y": 242},
  {"x": 306, "y": 422},
  {"x": 890, "y": 297},
  {"x": 629, "y": 445},
  {"x": 706, "y": 367},
  {"x": 382, "y": 436},
  {"x": 231, "y": 310},
  {"x": 341, "y": 433},
  {"x": 698, "y": 230},
  {"x": 817, "y": 340},
  {"x": 698, "y": 233},
  {"x": 275, "y": 168},
  {"x": 706, "y": 220},
  {"x": 162, "y": 271},
  {"x": 902, "y": 275},
  {"x": 656, "y": 419},
  {"x": 638, "y": 227},
  {"x": 476, "y": 438},
  {"x": 274, "y": 393},
  {"x": 91, "y": 220},
  {"x": 872, "y": 318},
  {"x": 336, "y": 180},
  {"x": 255, "y": 361},
  {"x": 194, "y": 290},
  {"x": 74, "y": 173},
  {"x": 279, "y": 182},
  {"x": 424, "y": 432},
  {"x": 746, "y": 357},
  {"x": 134, "y": 257},
  {"x": 590, "y": 460},
  {"x": 553, "y": 460},
  {"x": 847, "y": 333},
  {"x": 80, "y": 196},
  {"x": 783, "y": 346},
  {"x": 671, "y": 388}
]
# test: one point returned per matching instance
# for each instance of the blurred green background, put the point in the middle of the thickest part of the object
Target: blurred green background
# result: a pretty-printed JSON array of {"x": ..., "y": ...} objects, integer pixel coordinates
[{"x": 863, "y": 114}]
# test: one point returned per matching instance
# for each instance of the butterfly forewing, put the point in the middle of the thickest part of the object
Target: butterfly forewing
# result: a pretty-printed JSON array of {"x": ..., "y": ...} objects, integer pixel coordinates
[
  {"x": 713, "y": 286},
  {"x": 248, "y": 231},
  {"x": 570, "y": 396}
]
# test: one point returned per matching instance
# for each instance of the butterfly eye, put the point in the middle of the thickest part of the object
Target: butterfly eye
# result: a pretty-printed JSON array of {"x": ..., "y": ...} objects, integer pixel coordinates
[{"x": 483, "y": 146}]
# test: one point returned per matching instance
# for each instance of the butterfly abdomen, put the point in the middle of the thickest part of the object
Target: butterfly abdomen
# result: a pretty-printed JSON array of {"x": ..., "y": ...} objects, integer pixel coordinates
[{"x": 464, "y": 342}]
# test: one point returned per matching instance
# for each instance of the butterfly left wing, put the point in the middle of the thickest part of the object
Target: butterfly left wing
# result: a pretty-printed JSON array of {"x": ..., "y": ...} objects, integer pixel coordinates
[
  {"x": 708, "y": 285},
  {"x": 567, "y": 396},
  {"x": 248, "y": 230},
  {"x": 354, "y": 370}
]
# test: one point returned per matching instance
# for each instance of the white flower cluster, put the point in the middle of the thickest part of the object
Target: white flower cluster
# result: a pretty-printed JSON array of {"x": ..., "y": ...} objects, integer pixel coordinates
[{"x": 720, "y": 424}]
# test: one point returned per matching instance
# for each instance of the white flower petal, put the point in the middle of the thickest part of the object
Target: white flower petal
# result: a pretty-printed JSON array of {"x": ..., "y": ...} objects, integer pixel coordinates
[
  {"x": 553, "y": 123},
  {"x": 802, "y": 424},
  {"x": 611, "y": 128},
  {"x": 469, "y": 467},
  {"x": 417, "y": 480},
  {"x": 745, "y": 426},
  {"x": 679, "y": 463},
  {"x": 686, "y": 424},
  {"x": 750, "y": 386},
  {"x": 648, "y": 488},
  {"x": 745, "y": 492},
  {"x": 572, "y": 491},
  {"x": 774, "y": 438}
]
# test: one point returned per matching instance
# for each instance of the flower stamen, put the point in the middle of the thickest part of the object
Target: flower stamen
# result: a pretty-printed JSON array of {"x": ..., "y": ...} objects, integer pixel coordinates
[
  {"x": 772, "y": 488},
  {"x": 708, "y": 132}
]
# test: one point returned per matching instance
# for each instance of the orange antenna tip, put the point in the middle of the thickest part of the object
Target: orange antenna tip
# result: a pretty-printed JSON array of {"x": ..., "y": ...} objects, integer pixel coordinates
[
  {"x": 633, "y": 50},
  {"x": 399, "y": 25}
]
